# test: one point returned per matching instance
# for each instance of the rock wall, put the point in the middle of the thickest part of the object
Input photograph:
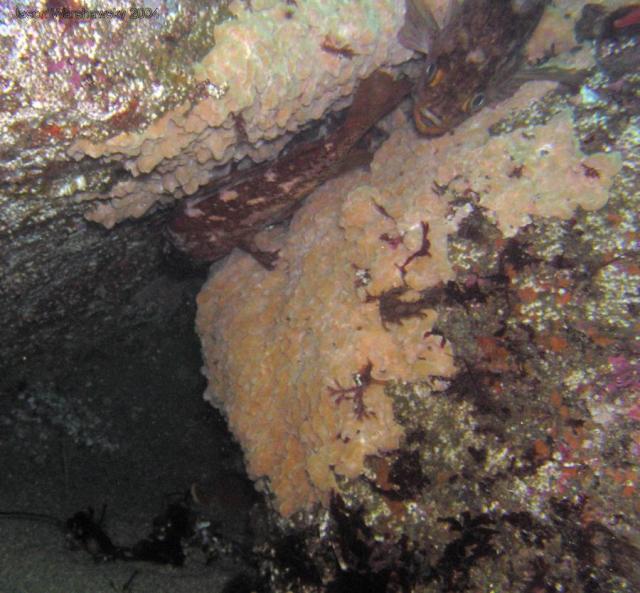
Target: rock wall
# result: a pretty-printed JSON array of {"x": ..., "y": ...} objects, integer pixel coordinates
[
  {"x": 185, "y": 93},
  {"x": 298, "y": 358}
]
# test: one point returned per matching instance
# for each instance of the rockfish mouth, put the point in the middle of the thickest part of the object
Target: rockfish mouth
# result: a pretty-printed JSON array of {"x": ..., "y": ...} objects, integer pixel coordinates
[{"x": 475, "y": 58}]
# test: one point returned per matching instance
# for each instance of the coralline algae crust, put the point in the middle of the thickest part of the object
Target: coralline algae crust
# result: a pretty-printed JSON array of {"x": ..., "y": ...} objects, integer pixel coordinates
[
  {"x": 277, "y": 67},
  {"x": 541, "y": 172},
  {"x": 306, "y": 331},
  {"x": 281, "y": 347}
]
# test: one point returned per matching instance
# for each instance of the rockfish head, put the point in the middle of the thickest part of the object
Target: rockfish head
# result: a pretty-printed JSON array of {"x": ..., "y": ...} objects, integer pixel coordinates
[{"x": 472, "y": 60}]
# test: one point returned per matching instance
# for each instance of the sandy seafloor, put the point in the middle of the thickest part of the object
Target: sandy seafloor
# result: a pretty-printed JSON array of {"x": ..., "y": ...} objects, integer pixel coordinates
[{"x": 146, "y": 390}]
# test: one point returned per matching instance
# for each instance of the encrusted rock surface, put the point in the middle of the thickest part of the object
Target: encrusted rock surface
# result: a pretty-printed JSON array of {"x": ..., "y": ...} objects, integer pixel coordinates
[
  {"x": 279, "y": 65},
  {"x": 361, "y": 250},
  {"x": 449, "y": 341},
  {"x": 280, "y": 361},
  {"x": 89, "y": 138},
  {"x": 484, "y": 285}
]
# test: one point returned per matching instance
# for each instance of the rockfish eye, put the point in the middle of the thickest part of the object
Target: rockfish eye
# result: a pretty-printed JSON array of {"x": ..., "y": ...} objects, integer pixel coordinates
[
  {"x": 476, "y": 102},
  {"x": 430, "y": 70}
]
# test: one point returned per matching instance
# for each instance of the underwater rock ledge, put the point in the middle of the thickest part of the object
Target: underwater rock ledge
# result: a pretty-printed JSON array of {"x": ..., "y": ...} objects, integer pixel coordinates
[
  {"x": 120, "y": 137},
  {"x": 273, "y": 68}
]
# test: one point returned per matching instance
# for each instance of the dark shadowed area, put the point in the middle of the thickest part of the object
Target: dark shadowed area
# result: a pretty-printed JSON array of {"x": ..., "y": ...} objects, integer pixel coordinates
[{"x": 121, "y": 424}]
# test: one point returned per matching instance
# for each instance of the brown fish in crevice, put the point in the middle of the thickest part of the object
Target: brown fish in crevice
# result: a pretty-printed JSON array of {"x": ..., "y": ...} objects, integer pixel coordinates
[
  {"x": 475, "y": 59},
  {"x": 211, "y": 223}
]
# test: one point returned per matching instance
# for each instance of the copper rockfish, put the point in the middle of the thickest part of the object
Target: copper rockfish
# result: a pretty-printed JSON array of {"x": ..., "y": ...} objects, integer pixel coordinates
[
  {"x": 211, "y": 223},
  {"x": 474, "y": 59}
]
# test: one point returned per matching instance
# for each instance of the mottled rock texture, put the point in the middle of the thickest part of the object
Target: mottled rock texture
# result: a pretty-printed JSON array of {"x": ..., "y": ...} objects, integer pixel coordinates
[
  {"x": 484, "y": 285},
  {"x": 285, "y": 359},
  {"x": 186, "y": 92}
]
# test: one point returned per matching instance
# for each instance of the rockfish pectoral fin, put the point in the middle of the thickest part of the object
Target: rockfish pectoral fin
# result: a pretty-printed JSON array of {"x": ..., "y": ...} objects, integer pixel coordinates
[
  {"x": 267, "y": 259},
  {"x": 571, "y": 78},
  {"x": 420, "y": 28}
]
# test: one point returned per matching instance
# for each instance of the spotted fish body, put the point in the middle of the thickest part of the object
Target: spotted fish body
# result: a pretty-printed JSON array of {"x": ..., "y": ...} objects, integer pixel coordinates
[
  {"x": 473, "y": 60},
  {"x": 210, "y": 224}
]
